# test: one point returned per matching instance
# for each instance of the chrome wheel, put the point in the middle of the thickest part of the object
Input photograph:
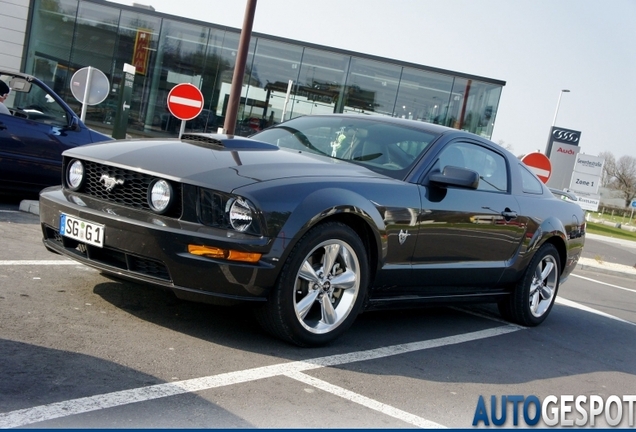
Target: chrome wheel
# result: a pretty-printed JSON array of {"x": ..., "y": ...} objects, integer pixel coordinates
[
  {"x": 543, "y": 286},
  {"x": 531, "y": 301},
  {"x": 327, "y": 286},
  {"x": 321, "y": 288}
]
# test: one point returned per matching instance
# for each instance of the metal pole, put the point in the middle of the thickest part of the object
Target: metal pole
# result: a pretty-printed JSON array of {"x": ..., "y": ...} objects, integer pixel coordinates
[
  {"x": 239, "y": 69},
  {"x": 548, "y": 146},
  {"x": 557, "y": 107},
  {"x": 289, "y": 88},
  {"x": 87, "y": 91}
]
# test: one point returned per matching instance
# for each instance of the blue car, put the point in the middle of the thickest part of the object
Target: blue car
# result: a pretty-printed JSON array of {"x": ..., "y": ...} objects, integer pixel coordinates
[{"x": 41, "y": 126}]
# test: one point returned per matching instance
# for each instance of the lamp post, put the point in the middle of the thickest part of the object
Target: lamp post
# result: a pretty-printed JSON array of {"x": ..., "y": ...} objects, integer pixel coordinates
[
  {"x": 548, "y": 146},
  {"x": 557, "y": 107}
]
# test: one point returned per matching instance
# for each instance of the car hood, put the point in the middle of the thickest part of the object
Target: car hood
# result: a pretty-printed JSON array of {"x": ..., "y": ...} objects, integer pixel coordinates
[{"x": 218, "y": 167}]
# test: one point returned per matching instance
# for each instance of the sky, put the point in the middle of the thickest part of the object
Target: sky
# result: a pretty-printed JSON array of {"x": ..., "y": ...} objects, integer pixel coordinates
[{"x": 538, "y": 47}]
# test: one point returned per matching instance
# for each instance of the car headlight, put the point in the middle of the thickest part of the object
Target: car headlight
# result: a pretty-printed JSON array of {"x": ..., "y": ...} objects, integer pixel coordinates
[
  {"x": 75, "y": 175},
  {"x": 229, "y": 212},
  {"x": 160, "y": 195},
  {"x": 239, "y": 214}
]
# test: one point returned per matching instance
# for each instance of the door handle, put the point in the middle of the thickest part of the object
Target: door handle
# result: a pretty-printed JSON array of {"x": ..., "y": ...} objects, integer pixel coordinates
[{"x": 509, "y": 214}]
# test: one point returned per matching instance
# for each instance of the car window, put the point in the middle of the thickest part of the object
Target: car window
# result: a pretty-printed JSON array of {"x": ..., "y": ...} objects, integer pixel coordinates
[
  {"x": 530, "y": 183},
  {"x": 35, "y": 103},
  {"x": 491, "y": 166},
  {"x": 384, "y": 147}
]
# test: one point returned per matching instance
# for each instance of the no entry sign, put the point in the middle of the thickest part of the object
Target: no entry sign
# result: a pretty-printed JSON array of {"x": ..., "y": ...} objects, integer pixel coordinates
[
  {"x": 185, "y": 101},
  {"x": 539, "y": 164}
]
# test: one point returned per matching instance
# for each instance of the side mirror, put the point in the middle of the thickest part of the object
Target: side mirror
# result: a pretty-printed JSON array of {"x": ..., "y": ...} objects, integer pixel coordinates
[
  {"x": 73, "y": 123},
  {"x": 455, "y": 176}
]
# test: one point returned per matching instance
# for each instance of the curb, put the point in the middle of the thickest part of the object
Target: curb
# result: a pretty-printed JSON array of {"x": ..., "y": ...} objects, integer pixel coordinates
[
  {"x": 607, "y": 268},
  {"x": 30, "y": 206}
]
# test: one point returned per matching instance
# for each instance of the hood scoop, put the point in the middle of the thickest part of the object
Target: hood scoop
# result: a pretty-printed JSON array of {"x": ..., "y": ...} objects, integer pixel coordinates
[{"x": 226, "y": 142}]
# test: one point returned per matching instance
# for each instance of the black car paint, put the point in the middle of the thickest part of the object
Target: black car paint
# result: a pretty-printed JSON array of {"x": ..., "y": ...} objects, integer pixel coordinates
[{"x": 294, "y": 191}]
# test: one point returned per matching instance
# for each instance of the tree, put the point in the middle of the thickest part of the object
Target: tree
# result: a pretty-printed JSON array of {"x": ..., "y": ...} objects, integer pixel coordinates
[
  {"x": 621, "y": 175},
  {"x": 609, "y": 166}
]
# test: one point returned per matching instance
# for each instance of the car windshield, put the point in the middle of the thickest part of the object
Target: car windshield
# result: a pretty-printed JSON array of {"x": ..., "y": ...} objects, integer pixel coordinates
[
  {"x": 28, "y": 100},
  {"x": 384, "y": 147}
]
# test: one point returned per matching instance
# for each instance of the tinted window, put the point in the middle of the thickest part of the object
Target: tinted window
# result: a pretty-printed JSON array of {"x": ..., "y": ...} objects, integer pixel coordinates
[
  {"x": 491, "y": 166},
  {"x": 530, "y": 183}
]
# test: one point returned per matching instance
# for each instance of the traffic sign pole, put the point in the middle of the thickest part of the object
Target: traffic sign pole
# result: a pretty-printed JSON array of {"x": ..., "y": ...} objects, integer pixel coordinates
[{"x": 89, "y": 78}]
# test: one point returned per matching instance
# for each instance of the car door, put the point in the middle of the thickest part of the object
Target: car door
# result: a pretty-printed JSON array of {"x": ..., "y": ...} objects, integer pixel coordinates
[
  {"x": 33, "y": 138},
  {"x": 467, "y": 236}
]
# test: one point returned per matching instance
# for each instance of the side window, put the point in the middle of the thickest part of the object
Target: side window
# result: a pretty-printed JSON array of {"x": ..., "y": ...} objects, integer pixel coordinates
[
  {"x": 530, "y": 183},
  {"x": 491, "y": 166},
  {"x": 35, "y": 103}
]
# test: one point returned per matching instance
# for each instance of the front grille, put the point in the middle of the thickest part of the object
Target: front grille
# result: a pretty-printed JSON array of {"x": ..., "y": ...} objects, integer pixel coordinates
[
  {"x": 132, "y": 193},
  {"x": 110, "y": 257}
]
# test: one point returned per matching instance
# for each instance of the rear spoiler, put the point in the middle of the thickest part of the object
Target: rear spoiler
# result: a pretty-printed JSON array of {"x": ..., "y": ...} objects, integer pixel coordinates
[{"x": 568, "y": 196}]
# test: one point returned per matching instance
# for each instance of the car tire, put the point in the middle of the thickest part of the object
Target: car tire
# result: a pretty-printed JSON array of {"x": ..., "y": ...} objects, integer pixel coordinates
[
  {"x": 534, "y": 295},
  {"x": 312, "y": 305}
]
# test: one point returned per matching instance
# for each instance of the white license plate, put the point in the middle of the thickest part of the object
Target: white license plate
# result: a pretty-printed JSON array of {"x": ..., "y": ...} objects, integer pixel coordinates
[{"x": 84, "y": 231}]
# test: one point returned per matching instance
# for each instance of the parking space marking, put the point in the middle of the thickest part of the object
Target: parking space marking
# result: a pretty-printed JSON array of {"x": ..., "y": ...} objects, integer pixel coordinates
[
  {"x": 365, "y": 401},
  {"x": 573, "y": 304},
  {"x": 67, "y": 408},
  {"x": 37, "y": 262},
  {"x": 604, "y": 283}
]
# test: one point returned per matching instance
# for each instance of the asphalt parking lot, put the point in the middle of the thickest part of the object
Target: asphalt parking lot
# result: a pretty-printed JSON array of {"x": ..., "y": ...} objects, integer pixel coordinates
[{"x": 82, "y": 350}]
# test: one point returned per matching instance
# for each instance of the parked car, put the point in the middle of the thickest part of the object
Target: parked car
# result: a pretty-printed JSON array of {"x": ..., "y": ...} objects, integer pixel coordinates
[
  {"x": 318, "y": 218},
  {"x": 41, "y": 126}
]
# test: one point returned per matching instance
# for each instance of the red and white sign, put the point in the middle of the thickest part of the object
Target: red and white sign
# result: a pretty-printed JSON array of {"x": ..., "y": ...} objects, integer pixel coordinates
[
  {"x": 539, "y": 164},
  {"x": 185, "y": 101}
]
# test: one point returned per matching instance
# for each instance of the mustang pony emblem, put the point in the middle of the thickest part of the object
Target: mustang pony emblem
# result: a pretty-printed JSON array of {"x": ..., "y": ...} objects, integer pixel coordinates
[{"x": 110, "y": 182}]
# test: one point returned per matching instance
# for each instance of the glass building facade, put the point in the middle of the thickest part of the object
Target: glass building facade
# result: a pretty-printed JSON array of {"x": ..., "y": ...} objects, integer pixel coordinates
[{"x": 67, "y": 35}]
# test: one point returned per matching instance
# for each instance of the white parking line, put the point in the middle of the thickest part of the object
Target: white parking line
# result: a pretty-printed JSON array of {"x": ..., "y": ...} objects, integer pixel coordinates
[
  {"x": 604, "y": 283},
  {"x": 37, "y": 262},
  {"x": 364, "y": 401},
  {"x": 573, "y": 304},
  {"x": 51, "y": 411}
]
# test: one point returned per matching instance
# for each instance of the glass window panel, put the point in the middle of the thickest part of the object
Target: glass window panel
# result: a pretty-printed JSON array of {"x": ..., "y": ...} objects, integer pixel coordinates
[
  {"x": 372, "y": 87},
  {"x": 50, "y": 41},
  {"x": 136, "y": 46},
  {"x": 180, "y": 59},
  {"x": 274, "y": 64},
  {"x": 472, "y": 106},
  {"x": 422, "y": 95},
  {"x": 320, "y": 83},
  {"x": 480, "y": 108}
]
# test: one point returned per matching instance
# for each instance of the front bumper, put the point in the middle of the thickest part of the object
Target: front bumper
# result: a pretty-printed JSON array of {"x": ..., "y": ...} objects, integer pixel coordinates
[{"x": 150, "y": 248}]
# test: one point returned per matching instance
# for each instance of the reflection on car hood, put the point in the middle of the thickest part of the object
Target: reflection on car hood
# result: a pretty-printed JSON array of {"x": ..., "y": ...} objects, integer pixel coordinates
[{"x": 214, "y": 167}]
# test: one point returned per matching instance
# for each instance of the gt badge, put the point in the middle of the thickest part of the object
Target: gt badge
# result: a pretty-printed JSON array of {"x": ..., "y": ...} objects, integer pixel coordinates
[{"x": 402, "y": 236}]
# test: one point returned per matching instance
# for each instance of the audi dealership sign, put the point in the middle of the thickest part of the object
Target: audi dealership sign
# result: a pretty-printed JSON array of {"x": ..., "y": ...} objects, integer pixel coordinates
[
  {"x": 566, "y": 136},
  {"x": 563, "y": 148}
]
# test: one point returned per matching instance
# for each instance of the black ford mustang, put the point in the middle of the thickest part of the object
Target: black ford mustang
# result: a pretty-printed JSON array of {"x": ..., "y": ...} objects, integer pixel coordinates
[{"x": 318, "y": 218}]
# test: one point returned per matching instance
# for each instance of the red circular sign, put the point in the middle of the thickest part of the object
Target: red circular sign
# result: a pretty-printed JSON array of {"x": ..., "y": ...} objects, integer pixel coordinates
[
  {"x": 185, "y": 101},
  {"x": 538, "y": 164}
]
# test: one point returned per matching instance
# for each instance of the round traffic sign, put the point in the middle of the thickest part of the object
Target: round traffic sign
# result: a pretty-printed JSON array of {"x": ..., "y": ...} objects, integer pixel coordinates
[
  {"x": 538, "y": 164},
  {"x": 98, "y": 87},
  {"x": 185, "y": 101}
]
